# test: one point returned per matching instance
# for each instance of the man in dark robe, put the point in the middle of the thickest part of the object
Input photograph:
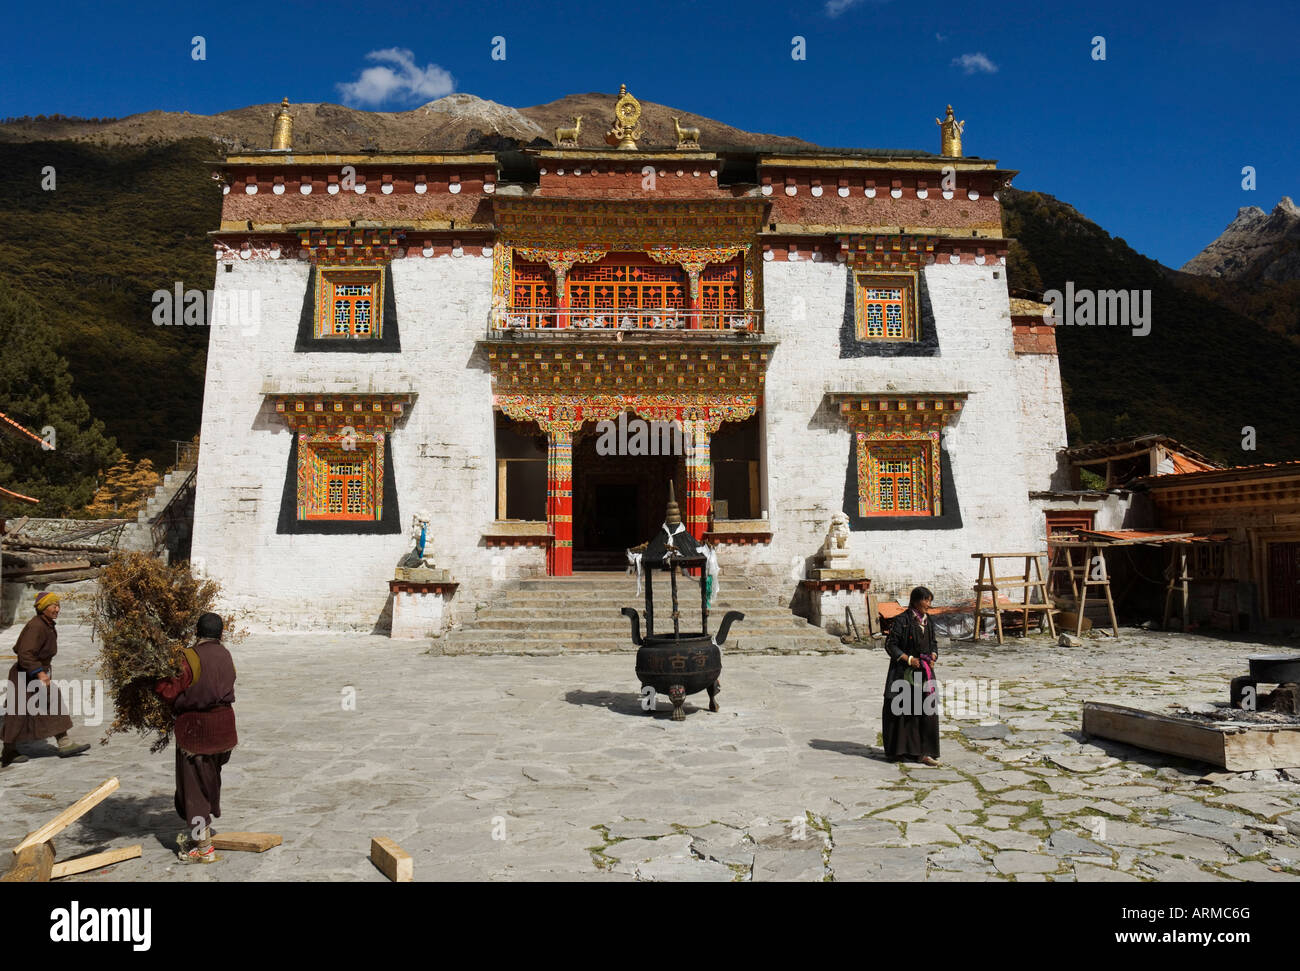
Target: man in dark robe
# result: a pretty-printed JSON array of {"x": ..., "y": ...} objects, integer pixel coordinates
[
  {"x": 35, "y": 707},
  {"x": 202, "y": 696},
  {"x": 909, "y": 721}
]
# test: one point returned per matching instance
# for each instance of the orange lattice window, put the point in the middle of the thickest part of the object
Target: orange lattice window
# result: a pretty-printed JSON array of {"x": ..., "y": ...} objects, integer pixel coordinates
[
  {"x": 340, "y": 477},
  {"x": 884, "y": 308},
  {"x": 894, "y": 479},
  {"x": 349, "y": 303},
  {"x": 532, "y": 295},
  {"x": 721, "y": 290},
  {"x": 606, "y": 289}
]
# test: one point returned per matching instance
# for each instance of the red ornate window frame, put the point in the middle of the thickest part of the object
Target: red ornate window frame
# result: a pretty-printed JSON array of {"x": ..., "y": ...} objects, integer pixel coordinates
[
  {"x": 349, "y": 303},
  {"x": 885, "y": 306},
  {"x": 896, "y": 478}
]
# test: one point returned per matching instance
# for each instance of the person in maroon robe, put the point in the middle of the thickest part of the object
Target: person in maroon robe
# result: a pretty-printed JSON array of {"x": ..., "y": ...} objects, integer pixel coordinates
[
  {"x": 201, "y": 697},
  {"x": 35, "y": 707},
  {"x": 909, "y": 722}
]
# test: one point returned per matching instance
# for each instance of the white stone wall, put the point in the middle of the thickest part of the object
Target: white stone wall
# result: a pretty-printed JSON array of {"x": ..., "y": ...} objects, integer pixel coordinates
[
  {"x": 442, "y": 453},
  {"x": 1042, "y": 406},
  {"x": 809, "y": 447}
]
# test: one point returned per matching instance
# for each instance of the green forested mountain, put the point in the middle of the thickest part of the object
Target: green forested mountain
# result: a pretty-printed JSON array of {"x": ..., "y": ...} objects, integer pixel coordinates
[
  {"x": 1220, "y": 356},
  {"x": 120, "y": 223},
  {"x": 126, "y": 220}
]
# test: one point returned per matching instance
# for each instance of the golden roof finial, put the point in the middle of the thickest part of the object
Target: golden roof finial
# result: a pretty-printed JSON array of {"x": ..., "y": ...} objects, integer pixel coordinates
[
  {"x": 950, "y": 137},
  {"x": 627, "y": 112},
  {"x": 282, "y": 133}
]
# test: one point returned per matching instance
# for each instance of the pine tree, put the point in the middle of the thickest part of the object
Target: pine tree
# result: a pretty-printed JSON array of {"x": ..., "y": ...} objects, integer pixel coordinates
[
  {"x": 125, "y": 489},
  {"x": 36, "y": 390}
]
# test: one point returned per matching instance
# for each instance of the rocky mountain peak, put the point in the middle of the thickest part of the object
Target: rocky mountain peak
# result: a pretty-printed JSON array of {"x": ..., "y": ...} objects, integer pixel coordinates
[{"x": 1256, "y": 244}]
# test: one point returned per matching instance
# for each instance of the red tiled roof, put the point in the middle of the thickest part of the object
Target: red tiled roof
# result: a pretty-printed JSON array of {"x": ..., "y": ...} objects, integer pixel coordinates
[
  {"x": 17, "y": 495},
  {"x": 11, "y": 426}
]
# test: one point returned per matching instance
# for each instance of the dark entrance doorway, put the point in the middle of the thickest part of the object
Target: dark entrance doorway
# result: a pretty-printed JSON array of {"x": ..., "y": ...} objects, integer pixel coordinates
[
  {"x": 1284, "y": 580},
  {"x": 618, "y": 500}
]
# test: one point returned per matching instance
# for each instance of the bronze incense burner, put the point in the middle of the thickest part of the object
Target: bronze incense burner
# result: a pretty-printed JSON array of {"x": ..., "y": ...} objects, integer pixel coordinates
[{"x": 683, "y": 662}]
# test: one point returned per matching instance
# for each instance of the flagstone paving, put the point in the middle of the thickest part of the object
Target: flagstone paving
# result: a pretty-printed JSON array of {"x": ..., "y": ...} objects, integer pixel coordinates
[{"x": 545, "y": 768}]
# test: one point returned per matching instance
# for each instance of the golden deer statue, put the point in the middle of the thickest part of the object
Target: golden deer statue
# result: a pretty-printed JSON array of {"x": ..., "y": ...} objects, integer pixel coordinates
[
  {"x": 686, "y": 137},
  {"x": 569, "y": 135}
]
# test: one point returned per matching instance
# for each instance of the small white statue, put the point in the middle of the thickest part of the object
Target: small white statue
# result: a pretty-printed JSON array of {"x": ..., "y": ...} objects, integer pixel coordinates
[
  {"x": 836, "y": 545},
  {"x": 422, "y": 554}
]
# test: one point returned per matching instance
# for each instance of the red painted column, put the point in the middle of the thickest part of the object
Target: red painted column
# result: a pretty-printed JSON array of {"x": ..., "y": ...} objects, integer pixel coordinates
[
  {"x": 559, "y": 503},
  {"x": 699, "y": 478}
]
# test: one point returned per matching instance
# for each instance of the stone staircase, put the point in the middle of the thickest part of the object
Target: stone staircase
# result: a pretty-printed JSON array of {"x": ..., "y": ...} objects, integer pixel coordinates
[
  {"x": 139, "y": 535},
  {"x": 556, "y": 615}
]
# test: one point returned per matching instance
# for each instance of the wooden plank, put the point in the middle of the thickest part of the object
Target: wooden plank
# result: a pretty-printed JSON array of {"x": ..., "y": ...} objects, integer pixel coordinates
[
  {"x": 32, "y": 865},
  {"x": 1160, "y": 733},
  {"x": 54, "y": 567},
  {"x": 1262, "y": 747},
  {"x": 96, "y": 861},
  {"x": 246, "y": 842},
  {"x": 1234, "y": 746},
  {"x": 393, "y": 861},
  {"x": 70, "y": 815}
]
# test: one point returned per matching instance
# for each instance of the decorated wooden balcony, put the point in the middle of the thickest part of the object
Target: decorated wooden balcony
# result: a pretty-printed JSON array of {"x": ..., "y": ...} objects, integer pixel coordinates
[{"x": 531, "y": 318}]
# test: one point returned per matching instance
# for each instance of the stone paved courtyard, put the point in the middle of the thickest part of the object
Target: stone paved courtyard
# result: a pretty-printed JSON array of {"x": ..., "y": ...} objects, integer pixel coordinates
[{"x": 545, "y": 768}]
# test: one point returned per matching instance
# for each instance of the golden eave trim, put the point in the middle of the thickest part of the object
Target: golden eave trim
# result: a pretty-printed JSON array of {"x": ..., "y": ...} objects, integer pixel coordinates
[
  {"x": 395, "y": 159},
  {"x": 878, "y": 406},
  {"x": 919, "y": 163},
  {"x": 340, "y": 409}
]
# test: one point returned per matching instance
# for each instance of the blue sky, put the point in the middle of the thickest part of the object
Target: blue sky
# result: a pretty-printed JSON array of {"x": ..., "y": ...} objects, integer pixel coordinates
[{"x": 1150, "y": 142}]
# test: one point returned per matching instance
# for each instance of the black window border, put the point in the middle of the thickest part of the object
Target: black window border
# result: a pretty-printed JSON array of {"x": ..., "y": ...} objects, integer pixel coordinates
[
  {"x": 388, "y": 342},
  {"x": 290, "y": 525},
  {"x": 949, "y": 519},
  {"x": 850, "y": 346}
]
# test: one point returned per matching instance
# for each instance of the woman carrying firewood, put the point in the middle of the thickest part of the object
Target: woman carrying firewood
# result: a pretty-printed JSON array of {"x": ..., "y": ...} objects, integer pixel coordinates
[
  {"x": 909, "y": 721},
  {"x": 36, "y": 708}
]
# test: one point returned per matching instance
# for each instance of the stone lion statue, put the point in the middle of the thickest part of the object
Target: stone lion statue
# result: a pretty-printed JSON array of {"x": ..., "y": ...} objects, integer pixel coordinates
[{"x": 837, "y": 537}]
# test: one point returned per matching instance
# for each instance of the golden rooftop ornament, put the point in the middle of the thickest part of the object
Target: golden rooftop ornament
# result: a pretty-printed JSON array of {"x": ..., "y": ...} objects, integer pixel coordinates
[
  {"x": 282, "y": 133},
  {"x": 950, "y": 140},
  {"x": 627, "y": 112}
]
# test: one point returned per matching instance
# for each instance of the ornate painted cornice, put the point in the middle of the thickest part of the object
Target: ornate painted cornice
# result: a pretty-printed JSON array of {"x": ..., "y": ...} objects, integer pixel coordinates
[
  {"x": 579, "y": 368},
  {"x": 334, "y": 410}
]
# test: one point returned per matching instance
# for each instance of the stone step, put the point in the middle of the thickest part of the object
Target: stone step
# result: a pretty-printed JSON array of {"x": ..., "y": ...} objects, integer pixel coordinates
[
  {"x": 566, "y": 624},
  {"x": 466, "y": 643},
  {"x": 596, "y": 615}
]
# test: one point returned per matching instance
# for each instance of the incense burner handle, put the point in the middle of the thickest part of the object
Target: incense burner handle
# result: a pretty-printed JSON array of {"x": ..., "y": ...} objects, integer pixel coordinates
[
  {"x": 631, "y": 614},
  {"x": 729, "y": 618}
]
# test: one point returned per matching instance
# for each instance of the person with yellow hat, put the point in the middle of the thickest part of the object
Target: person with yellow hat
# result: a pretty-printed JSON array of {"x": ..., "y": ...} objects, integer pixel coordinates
[{"x": 37, "y": 708}]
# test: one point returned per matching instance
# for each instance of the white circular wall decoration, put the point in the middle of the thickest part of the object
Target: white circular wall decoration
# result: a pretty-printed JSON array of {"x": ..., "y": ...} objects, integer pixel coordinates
[
  {"x": 305, "y": 188},
  {"x": 768, "y": 255},
  {"x": 487, "y": 250},
  {"x": 489, "y": 187},
  {"x": 332, "y": 189},
  {"x": 869, "y": 193},
  {"x": 972, "y": 195},
  {"x": 947, "y": 193},
  {"x": 767, "y": 190},
  {"x": 360, "y": 189},
  {"x": 428, "y": 250},
  {"x": 791, "y": 190},
  {"x": 816, "y": 191},
  {"x": 954, "y": 257},
  {"x": 251, "y": 188},
  {"x": 923, "y": 193},
  {"x": 454, "y": 188},
  {"x": 386, "y": 188},
  {"x": 278, "y": 189},
  {"x": 843, "y": 191},
  {"x": 896, "y": 193},
  {"x": 225, "y": 190},
  {"x": 421, "y": 188}
]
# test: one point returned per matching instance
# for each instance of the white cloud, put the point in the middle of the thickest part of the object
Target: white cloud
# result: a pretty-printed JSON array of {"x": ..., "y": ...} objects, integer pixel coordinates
[
  {"x": 379, "y": 84},
  {"x": 836, "y": 7},
  {"x": 940, "y": 37},
  {"x": 977, "y": 63}
]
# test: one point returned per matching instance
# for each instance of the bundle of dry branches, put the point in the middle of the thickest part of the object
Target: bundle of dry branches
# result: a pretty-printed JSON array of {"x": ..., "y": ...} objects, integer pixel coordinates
[{"x": 144, "y": 615}]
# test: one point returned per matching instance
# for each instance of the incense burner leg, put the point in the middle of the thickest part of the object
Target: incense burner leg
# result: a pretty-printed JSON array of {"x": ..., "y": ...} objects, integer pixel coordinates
[
  {"x": 677, "y": 695},
  {"x": 714, "y": 689}
]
